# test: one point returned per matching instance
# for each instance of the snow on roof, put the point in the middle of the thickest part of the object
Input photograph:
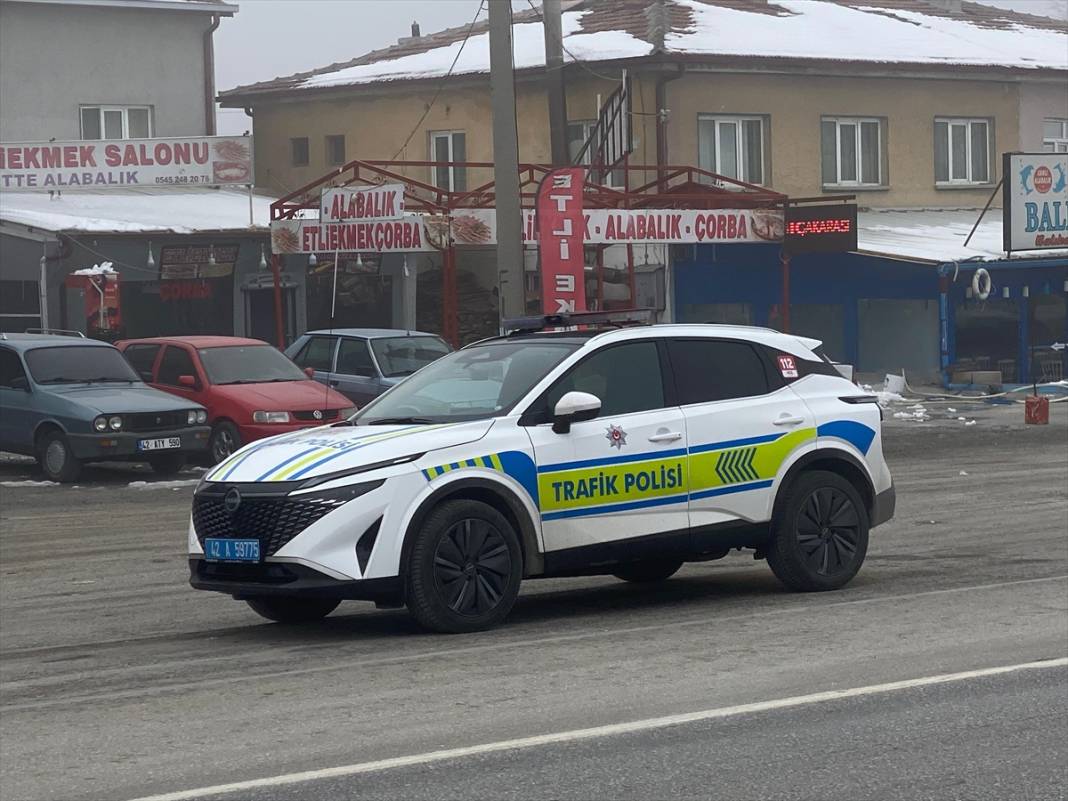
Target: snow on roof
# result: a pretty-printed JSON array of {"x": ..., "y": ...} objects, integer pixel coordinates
[
  {"x": 937, "y": 235},
  {"x": 854, "y": 31},
  {"x": 136, "y": 211},
  {"x": 211, "y": 6},
  {"x": 104, "y": 268}
]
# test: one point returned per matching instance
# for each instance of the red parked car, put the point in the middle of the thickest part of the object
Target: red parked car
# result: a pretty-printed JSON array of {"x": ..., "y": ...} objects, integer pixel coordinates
[{"x": 250, "y": 389}]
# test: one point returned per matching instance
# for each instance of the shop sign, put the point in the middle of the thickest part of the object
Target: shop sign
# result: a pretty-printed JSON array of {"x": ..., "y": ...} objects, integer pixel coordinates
[
  {"x": 560, "y": 232},
  {"x": 365, "y": 204},
  {"x": 116, "y": 164},
  {"x": 407, "y": 234},
  {"x": 820, "y": 229},
  {"x": 1035, "y": 200},
  {"x": 636, "y": 226},
  {"x": 177, "y": 262},
  {"x": 184, "y": 290}
]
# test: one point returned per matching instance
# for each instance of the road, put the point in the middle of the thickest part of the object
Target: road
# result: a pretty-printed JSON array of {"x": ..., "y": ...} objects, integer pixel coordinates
[{"x": 118, "y": 681}]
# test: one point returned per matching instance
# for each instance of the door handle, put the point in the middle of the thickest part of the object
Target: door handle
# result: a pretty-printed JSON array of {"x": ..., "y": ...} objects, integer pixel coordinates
[
  {"x": 666, "y": 436},
  {"x": 785, "y": 419}
]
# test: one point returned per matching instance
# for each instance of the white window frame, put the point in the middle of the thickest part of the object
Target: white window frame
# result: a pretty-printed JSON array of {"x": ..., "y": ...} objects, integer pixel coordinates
[
  {"x": 448, "y": 136},
  {"x": 967, "y": 123},
  {"x": 125, "y": 110},
  {"x": 856, "y": 123},
  {"x": 1056, "y": 144},
  {"x": 739, "y": 145}
]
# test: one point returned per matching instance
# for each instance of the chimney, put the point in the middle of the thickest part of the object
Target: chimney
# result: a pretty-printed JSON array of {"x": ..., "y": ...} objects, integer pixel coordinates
[{"x": 415, "y": 30}]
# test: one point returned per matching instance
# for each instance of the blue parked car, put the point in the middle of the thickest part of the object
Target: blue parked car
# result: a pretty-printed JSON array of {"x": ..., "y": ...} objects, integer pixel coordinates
[{"x": 68, "y": 400}]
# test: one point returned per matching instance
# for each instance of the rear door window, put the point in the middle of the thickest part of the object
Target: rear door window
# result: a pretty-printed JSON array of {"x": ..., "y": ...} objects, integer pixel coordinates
[
  {"x": 715, "y": 369},
  {"x": 318, "y": 353},
  {"x": 142, "y": 358}
]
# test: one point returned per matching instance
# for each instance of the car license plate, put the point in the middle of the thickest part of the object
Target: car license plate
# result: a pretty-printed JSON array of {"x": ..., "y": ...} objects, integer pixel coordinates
[
  {"x": 167, "y": 443},
  {"x": 219, "y": 550}
]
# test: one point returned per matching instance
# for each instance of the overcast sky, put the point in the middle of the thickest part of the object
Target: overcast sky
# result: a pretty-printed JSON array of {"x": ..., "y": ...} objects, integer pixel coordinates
[{"x": 268, "y": 38}]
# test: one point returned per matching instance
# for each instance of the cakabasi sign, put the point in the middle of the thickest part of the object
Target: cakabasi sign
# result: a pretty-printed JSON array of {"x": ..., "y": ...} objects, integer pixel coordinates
[{"x": 1035, "y": 199}]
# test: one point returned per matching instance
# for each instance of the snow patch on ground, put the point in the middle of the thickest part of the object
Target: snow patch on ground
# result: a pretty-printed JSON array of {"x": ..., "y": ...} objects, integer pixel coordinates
[{"x": 176, "y": 484}]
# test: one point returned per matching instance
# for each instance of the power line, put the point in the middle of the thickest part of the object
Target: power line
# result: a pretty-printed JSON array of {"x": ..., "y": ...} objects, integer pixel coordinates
[
  {"x": 441, "y": 83},
  {"x": 574, "y": 58}
]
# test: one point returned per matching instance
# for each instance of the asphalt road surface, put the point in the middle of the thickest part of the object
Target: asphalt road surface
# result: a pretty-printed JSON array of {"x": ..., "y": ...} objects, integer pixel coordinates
[{"x": 118, "y": 681}]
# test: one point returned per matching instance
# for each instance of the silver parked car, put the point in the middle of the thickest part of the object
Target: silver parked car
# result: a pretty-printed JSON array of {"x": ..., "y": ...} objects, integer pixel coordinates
[{"x": 362, "y": 363}]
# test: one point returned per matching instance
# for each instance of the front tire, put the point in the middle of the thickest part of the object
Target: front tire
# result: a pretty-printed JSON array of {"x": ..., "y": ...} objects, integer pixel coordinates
[
  {"x": 283, "y": 609},
  {"x": 56, "y": 458},
  {"x": 820, "y": 537},
  {"x": 464, "y": 568},
  {"x": 225, "y": 439},
  {"x": 169, "y": 464},
  {"x": 648, "y": 572}
]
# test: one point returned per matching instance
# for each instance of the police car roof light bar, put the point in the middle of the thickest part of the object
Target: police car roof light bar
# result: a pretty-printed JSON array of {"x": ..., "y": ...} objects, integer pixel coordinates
[{"x": 616, "y": 318}]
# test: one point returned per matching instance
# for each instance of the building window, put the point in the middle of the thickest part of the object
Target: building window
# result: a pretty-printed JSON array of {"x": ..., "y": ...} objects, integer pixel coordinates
[
  {"x": 335, "y": 150},
  {"x": 962, "y": 151},
  {"x": 1055, "y": 136},
  {"x": 578, "y": 133},
  {"x": 731, "y": 146},
  {"x": 298, "y": 149},
  {"x": 449, "y": 146},
  {"x": 852, "y": 151},
  {"x": 116, "y": 122},
  {"x": 19, "y": 305}
]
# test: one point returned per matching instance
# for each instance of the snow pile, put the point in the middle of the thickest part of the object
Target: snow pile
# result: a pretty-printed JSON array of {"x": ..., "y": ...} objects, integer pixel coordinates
[
  {"x": 176, "y": 484},
  {"x": 104, "y": 268},
  {"x": 886, "y": 398},
  {"x": 27, "y": 484},
  {"x": 917, "y": 413}
]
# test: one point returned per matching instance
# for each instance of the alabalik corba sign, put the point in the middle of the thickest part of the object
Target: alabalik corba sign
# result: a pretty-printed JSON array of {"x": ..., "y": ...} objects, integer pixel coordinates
[
  {"x": 182, "y": 161},
  {"x": 1035, "y": 198}
]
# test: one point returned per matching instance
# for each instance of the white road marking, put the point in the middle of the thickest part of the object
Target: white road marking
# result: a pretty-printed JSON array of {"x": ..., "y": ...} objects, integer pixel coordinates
[{"x": 611, "y": 730}]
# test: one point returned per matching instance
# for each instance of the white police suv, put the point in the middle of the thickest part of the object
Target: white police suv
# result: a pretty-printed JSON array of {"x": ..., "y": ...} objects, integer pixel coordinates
[{"x": 625, "y": 450}]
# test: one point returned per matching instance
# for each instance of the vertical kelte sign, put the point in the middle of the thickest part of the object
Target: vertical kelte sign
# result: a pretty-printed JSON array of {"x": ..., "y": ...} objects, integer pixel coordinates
[{"x": 560, "y": 233}]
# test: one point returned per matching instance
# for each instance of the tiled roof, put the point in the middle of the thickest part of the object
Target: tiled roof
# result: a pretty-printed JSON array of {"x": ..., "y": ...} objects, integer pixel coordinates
[{"x": 857, "y": 31}]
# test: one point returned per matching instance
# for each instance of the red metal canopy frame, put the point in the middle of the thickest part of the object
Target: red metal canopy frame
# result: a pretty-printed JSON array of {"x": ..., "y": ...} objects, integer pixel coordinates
[{"x": 658, "y": 187}]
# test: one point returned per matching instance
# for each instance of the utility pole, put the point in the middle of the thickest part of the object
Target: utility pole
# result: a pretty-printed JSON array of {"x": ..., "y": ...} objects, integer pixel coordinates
[
  {"x": 554, "y": 82},
  {"x": 506, "y": 162}
]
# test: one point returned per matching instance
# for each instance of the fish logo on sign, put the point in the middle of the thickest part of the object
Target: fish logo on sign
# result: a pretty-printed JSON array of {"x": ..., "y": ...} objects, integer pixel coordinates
[{"x": 616, "y": 437}]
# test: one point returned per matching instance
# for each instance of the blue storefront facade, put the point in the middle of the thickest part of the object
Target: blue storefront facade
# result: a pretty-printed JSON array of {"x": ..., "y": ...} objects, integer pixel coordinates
[{"x": 883, "y": 313}]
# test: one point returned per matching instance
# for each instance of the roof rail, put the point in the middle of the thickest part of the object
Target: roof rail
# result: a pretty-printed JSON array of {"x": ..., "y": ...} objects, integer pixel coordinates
[
  {"x": 615, "y": 319},
  {"x": 59, "y": 332}
]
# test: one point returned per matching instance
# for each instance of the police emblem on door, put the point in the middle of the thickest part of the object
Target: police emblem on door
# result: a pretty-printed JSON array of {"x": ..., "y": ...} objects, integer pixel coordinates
[{"x": 616, "y": 437}]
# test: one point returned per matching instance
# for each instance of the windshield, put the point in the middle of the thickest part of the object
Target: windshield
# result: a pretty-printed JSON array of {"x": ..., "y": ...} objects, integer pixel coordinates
[
  {"x": 248, "y": 364},
  {"x": 470, "y": 384},
  {"x": 79, "y": 364},
  {"x": 398, "y": 356}
]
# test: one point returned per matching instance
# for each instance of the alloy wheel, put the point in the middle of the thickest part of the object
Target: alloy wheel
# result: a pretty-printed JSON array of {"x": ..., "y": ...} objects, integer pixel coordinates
[
  {"x": 828, "y": 531},
  {"x": 472, "y": 564}
]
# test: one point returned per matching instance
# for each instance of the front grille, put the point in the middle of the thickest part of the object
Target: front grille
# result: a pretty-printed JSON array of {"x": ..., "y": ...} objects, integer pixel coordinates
[
  {"x": 309, "y": 417},
  {"x": 154, "y": 421},
  {"x": 273, "y": 521}
]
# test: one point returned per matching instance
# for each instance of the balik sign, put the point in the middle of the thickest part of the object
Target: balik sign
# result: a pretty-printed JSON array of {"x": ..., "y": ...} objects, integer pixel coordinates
[{"x": 1035, "y": 197}]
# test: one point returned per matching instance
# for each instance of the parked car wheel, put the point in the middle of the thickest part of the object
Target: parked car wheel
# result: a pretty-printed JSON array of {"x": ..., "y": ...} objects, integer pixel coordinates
[
  {"x": 819, "y": 540},
  {"x": 225, "y": 439},
  {"x": 167, "y": 464},
  {"x": 56, "y": 458},
  {"x": 464, "y": 569},
  {"x": 648, "y": 572},
  {"x": 282, "y": 609}
]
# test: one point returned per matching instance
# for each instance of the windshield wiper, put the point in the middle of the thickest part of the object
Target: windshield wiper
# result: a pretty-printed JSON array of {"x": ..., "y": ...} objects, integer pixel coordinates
[
  {"x": 388, "y": 421},
  {"x": 107, "y": 380}
]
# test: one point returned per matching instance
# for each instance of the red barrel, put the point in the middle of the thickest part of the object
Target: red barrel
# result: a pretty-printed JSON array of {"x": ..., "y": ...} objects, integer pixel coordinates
[{"x": 1036, "y": 410}]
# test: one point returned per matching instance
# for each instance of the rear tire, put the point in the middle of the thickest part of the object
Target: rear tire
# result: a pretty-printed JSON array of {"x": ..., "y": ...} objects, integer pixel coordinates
[
  {"x": 820, "y": 537},
  {"x": 56, "y": 458},
  {"x": 648, "y": 572},
  {"x": 169, "y": 464},
  {"x": 288, "y": 609},
  {"x": 225, "y": 439},
  {"x": 464, "y": 569}
]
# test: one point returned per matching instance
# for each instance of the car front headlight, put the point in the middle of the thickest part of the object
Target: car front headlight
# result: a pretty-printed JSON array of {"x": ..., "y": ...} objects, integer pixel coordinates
[
  {"x": 100, "y": 424},
  {"x": 347, "y": 412},
  {"x": 202, "y": 417},
  {"x": 270, "y": 417},
  {"x": 115, "y": 423},
  {"x": 191, "y": 418}
]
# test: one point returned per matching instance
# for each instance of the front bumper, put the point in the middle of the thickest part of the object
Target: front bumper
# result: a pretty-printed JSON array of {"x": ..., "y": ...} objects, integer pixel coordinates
[
  {"x": 244, "y": 581},
  {"x": 883, "y": 508},
  {"x": 123, "y": 444}
]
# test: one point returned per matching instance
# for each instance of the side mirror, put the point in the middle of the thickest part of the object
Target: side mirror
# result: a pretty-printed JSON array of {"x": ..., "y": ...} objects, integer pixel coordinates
[
  {"x": 310, "y": 372},
  {"x": 20, "y": 382},
  {"x": 574, "y": 407},
  {"x": 187, "y": 381}
]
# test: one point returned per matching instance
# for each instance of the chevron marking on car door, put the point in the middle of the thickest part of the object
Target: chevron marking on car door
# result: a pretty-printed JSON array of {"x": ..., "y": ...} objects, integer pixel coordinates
[{"x": 735, "y": 466}]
